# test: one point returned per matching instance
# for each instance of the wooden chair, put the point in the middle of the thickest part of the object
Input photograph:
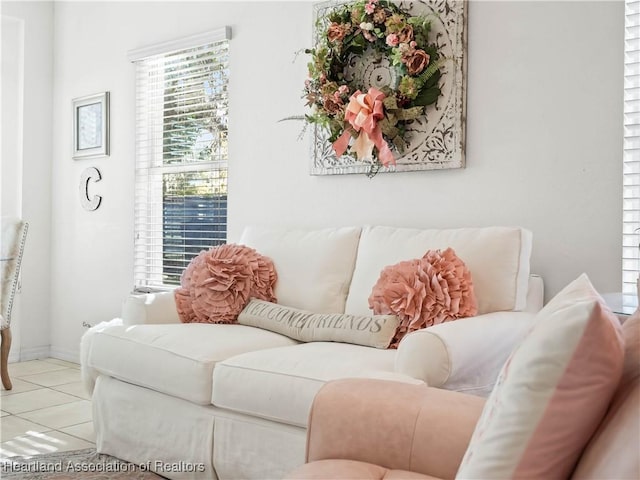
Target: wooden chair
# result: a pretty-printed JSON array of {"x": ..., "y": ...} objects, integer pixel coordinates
[{"x": 12, "y": 240}]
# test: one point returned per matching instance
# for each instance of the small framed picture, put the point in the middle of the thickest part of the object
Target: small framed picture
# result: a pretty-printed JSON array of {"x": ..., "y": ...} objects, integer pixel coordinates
[{"x": 91, "y": 126}]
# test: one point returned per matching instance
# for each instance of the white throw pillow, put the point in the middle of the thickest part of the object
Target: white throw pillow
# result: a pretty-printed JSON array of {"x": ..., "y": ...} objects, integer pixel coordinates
[
  {"x": 314, "y": 266},
  {"x": 498, "y": 258},
  {"x": 552, "y": 392}
]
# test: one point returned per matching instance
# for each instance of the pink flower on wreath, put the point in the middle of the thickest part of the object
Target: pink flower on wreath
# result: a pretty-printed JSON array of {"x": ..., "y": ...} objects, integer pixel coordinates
[
  {"x": 370, "y": 8},
  {"x": 337, "y": 31},
  {"x": 332, "y": 104},
  {"x": 343, "y": 89},
  {"x": 369, "y": 36},
  {"x": 393, "y": 40},
  {"x": 416, "y": 62}
]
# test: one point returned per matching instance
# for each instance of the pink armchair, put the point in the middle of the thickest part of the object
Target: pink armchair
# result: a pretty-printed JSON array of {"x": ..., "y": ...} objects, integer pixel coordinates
[{"x": 374, "y": 429}]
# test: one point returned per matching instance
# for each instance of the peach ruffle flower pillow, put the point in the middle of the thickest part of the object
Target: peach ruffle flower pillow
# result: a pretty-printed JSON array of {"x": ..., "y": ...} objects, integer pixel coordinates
[
  {"x": 218, "y": 283},
  {"x": 423, "y": 292}
]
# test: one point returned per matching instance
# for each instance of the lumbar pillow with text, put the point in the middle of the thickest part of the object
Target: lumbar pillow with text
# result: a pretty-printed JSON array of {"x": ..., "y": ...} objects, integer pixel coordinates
[
  {"x": 552, "y": 392},
  {"x": 370, "y": 331}
]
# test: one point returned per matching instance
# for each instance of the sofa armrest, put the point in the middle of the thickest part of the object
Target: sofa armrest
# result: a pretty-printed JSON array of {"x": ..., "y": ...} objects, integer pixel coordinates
[
  {"x": 88, "y": 374},
  {"x": 465, "y": 355},
  {"x": 159, "y": 307},
  {"x": 395, "y": 425}
]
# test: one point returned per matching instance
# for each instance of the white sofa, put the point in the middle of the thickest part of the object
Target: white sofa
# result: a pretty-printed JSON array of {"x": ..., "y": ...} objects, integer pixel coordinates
[{"x": 231, "y": 401}]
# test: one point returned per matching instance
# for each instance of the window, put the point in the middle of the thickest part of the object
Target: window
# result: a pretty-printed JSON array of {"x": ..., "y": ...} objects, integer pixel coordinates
[
  {"x": 181, "y": 154},
  {"x": 631, "y": 189}
]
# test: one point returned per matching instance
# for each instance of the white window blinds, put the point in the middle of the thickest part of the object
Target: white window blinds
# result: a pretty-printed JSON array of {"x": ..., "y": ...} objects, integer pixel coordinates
[
  {"x": 181, "y": 155},
  {"x": 631, "y": 171}
]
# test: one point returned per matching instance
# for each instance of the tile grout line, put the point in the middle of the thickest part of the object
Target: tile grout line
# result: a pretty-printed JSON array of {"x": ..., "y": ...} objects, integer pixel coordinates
[
  {"x": 55, "y": 388},
  {"x": 50, "y": 406},
  {"x": 49, "y": 431},
  {"x": 23, "y": 379},
  {"x": 74, "y": 399},
  {"x": 42, "y": 424},
  {"x": 37, "y": 409},
  {"x": 76, "y": 396}
]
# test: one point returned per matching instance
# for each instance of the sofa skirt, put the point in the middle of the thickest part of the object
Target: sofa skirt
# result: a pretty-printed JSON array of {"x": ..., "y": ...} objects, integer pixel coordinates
[{"x": 181, "y": 440}]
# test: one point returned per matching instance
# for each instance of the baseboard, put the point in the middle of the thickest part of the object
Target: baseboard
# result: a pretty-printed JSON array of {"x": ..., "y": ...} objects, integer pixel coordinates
[
  {"x": 14, "y": 357},
  {"x": 64, "y": 354},
  {"x": 39, "y": 353},
  {"x": 33, "y": 353}
]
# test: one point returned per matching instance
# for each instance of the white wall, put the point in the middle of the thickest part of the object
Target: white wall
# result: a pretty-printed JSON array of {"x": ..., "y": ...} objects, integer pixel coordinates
[
  {"x": 29, "y": 129},
  {"x": 11, "y": 102},
  {"x": 12, "y": 57},
  {"x": 543, "y": 150}
]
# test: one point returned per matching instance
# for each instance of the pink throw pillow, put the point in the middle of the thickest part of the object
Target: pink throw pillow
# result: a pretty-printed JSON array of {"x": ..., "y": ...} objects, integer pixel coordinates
[
  {"x": 423, "y": 292},
  {"x": 219, "y": 282}
]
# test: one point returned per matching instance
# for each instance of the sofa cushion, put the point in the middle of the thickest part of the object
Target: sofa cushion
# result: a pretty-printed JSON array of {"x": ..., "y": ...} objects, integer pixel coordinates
[
  {"x": 314, "y": 267},
  {"x": 552, "y": 392},
  {"x": 174, "y": 359},
  {"x": 279, "y": 384},
  {"x": 498, "y": 258}
]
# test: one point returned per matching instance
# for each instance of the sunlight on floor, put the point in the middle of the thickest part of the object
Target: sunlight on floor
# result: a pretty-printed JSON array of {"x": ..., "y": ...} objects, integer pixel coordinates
[
  {"x": 32, "y": 443},
  {"x": 47, "y": 411}
]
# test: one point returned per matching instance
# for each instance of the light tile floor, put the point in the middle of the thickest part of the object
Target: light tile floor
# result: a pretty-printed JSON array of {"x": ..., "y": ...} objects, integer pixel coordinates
[{"x": 46, "y": 411}]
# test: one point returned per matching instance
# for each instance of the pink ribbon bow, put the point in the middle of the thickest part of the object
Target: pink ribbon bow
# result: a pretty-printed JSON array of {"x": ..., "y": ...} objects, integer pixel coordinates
[{"x": 363, "y": 112}]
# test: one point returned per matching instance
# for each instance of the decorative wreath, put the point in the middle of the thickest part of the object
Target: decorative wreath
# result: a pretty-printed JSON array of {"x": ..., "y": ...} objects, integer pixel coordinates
[{"x": 375, "y": 118}]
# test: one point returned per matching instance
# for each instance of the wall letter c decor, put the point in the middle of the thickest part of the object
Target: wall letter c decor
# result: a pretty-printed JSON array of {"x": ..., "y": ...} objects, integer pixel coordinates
[{"x": 87, "y": 202}]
